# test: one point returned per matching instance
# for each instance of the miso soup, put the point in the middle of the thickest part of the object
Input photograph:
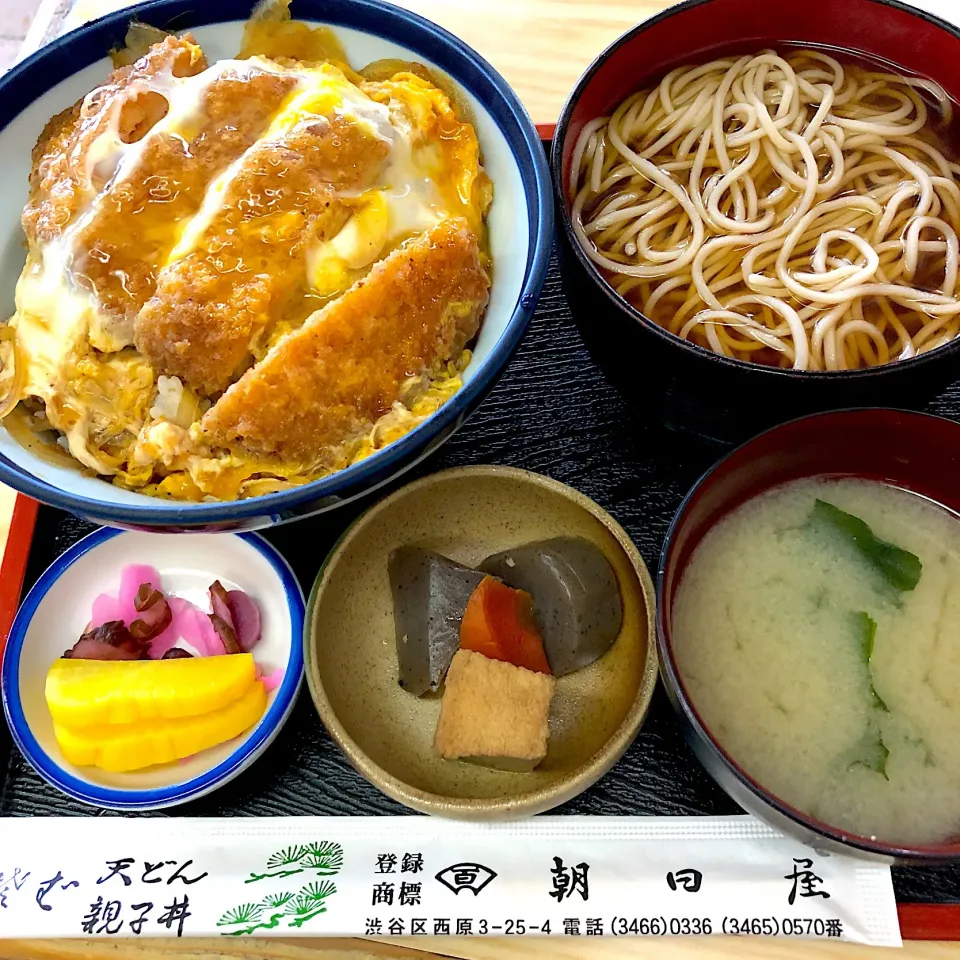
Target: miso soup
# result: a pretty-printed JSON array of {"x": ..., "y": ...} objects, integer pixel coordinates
[{"x": 817, "y": 632}]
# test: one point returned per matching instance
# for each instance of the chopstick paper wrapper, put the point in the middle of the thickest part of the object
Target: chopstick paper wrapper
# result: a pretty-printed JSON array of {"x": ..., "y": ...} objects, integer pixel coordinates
[{"x": 410, "y": 876}]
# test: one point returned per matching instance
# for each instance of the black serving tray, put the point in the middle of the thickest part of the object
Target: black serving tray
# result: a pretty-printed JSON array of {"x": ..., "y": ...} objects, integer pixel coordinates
[{"x": 552, "y": 412}]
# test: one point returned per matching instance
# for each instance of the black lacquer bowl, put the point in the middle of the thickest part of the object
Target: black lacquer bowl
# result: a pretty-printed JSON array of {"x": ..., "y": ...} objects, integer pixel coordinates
[
  {"x": 686, "y": 387},
  {"x": 914, "y": 451}
]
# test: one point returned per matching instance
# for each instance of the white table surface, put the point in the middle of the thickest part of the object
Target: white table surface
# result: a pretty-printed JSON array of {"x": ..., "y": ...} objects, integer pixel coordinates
[{"x": 15, "y": 19}]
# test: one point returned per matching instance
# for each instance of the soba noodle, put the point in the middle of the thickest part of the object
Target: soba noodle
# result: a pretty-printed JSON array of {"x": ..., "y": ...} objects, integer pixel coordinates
[{"x": 788, "y": 209}]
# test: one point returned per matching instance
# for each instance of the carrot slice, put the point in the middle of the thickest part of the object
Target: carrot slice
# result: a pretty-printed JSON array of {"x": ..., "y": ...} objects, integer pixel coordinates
[{"x": 499, "y": 623}]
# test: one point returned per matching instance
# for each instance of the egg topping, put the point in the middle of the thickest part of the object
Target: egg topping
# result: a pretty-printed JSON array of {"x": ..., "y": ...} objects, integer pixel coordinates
[{"x": 185, "y": 218}]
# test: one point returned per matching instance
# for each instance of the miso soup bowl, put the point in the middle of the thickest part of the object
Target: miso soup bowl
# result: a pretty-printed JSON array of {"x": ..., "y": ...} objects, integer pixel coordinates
[
  {"x": 520, "y": 224},
  {"x": 688, "y": 388},
  {"x": 914, "y": 451}
]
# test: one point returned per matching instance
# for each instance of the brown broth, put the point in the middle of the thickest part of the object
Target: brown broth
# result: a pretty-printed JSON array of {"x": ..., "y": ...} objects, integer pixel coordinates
[{"x": 940, "y": 133}]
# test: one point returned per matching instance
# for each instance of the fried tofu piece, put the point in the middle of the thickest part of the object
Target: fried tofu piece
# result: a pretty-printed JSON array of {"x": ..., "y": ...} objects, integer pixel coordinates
[
  {"x": 59, "y": 178},
  {"x": 138, "y": 220},
  {"x": 248, "y": 270},
  {"x": 344, "y": 368},
  {"x": 494, "y": 713}
]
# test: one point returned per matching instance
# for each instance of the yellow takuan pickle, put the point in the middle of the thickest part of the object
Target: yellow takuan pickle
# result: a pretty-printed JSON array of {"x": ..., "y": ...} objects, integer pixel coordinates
[
  {"x": 89, "y": 693},
  {"x": 132, "y": 746}
]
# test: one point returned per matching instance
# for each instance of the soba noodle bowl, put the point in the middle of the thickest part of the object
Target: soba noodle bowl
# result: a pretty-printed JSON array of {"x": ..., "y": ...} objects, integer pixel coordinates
[{"x": 793, "y": 210}]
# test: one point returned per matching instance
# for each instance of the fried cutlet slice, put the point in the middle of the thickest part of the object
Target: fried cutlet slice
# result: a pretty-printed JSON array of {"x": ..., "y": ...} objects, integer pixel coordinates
[
  {"x": 137, "y": 220},
  {"x": 60, "y": 178},
  {"x": 248, "y": 269},
  {"x": 340, "y": 372}
]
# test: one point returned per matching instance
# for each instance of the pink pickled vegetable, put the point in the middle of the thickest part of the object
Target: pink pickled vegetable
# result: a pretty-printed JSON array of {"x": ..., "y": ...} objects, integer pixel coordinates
[
  {"x": 273, "y": 679},
  {"x": 191, "y": 624},
  {"x": 195, "y": 627},
  {"x": 246, "y": 619},
  {"x": 105, "y": 609},
  {"x": 143, "y": 622},
  {"x": 211, "y": 640}
]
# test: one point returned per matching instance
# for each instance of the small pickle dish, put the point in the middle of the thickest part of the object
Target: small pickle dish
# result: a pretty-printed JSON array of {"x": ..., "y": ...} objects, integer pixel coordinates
[{"x": 142, "y": 671}]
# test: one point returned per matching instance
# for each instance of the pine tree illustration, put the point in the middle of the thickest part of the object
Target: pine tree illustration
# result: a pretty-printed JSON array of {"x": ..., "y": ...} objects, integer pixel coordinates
[
  {"x": 309, "y": 902},
  {"x": 283, "y": 863},
  {"x": 286, "y": 857},
  {"x": 245, "y": 913},
  {"x": 325, "y": 857},
  {"x": 274, "y": 901}
]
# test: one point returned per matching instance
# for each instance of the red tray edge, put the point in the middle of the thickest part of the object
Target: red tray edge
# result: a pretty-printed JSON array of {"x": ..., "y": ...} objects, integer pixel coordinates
[
  {"x": 929, "y": 921},
  {"x": 13, "y": 564}
]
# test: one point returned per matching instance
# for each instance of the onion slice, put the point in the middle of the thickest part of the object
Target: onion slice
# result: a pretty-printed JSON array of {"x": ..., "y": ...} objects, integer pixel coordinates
[
  {"x": 246, "y": 619},
  {"x": 10, "y": 393},
  {"x": 109, "y": 641},
  {"x": 155, "y": 613}
]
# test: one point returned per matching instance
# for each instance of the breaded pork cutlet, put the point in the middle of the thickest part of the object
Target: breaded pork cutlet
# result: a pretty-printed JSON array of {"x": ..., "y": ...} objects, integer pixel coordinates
[
  {"x": 339, "y": 373},
  {"x": 60, "y": 179},
  {"x": 137, "y": 221},
  {"x": 248, "y": 269}
]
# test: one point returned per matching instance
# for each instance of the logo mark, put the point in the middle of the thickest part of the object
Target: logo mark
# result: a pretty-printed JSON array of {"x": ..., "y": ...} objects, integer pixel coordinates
[{"x": 466, "y": 876}]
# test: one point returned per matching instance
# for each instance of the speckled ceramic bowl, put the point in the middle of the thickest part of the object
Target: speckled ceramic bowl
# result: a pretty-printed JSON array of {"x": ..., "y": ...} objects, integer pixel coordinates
[{"x": 351, "y": 660}]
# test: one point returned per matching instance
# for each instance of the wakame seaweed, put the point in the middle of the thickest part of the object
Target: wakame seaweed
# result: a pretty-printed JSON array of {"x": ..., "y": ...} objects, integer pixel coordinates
[
  {"x": 866, "y": 628},
  {"x": 871, "y": 752},
  {"x": 866, "y": 631},
  {"x": 900, "y": 568}
]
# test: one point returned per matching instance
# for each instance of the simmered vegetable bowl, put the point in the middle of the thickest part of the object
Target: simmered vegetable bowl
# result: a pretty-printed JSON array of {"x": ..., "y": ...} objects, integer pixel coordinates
[
  {"x": 497, "y": 637},
  {"x": 396, "y": 738}
]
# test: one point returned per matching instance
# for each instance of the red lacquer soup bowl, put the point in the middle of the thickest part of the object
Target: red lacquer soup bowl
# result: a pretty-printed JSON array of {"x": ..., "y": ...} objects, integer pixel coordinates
[
  {"x": 913, "y": 451},
  {"x": 685, "y": 386}
]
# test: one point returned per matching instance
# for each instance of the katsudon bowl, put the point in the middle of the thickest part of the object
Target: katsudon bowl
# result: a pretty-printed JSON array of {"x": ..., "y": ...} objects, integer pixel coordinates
[{"x": 519, "y": 224}]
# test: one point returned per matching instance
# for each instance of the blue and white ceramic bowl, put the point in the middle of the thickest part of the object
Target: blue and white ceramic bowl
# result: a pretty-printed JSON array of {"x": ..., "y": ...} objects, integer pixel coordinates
[
  {"x": 57, "y": 609},
  {"x": 520, "y": 221}
]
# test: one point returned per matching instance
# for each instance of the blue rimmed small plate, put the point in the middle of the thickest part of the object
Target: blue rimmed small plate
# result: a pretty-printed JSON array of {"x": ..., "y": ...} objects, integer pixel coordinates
[{"x": 57, "y": 609}]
